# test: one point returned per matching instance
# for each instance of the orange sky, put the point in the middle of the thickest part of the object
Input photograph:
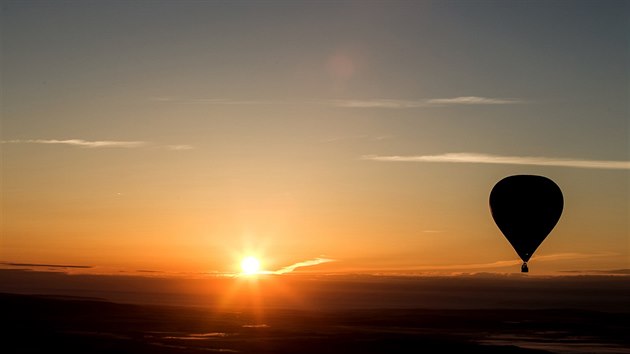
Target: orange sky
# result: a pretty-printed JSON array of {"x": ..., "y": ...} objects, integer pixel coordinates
[{"x": 183, "y": 136}]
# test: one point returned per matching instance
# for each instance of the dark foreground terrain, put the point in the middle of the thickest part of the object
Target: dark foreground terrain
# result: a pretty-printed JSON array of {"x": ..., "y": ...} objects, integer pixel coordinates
[{"x": 45, "y": 324}]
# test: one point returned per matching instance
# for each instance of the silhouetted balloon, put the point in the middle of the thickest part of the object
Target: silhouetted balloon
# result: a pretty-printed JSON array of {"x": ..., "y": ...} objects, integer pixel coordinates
[{"x": 526, "y": 208}]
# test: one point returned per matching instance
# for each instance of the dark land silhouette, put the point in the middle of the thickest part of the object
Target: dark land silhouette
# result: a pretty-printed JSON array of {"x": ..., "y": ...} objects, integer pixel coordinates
[
  {"x": 43, "y": 324},
  {"x": 350, "y": 314}
]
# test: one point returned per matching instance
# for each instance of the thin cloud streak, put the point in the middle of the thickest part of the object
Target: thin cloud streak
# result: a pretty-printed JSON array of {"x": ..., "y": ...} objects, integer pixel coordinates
[
  {"x": 379, "y": 103},
  {"x": 473, "y": 100},
  {"x": 505, "y": 160},
  {"x": 370, "y": 103},
  {"x": 569, "y": 256},
  {"x": 622, "y": 272},
  {"x": 431, "y": 102},
  {"x": 307, "y": 263},
  {"x": 179, "y": 147},
  {"x": 44, "y": 265},
  {"x": 98, "y": 144},
  {"x": 81, "y": 143},
  {"x": 501, "y": 264},
  {"x": 218, "y": 101}
]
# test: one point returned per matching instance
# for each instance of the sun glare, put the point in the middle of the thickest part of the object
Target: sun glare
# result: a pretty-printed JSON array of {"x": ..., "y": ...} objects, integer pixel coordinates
[{"x": 250, "y": 265}]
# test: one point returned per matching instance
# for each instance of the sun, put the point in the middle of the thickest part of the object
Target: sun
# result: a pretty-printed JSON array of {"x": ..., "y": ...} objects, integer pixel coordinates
[{"x": 250, "y": 265}]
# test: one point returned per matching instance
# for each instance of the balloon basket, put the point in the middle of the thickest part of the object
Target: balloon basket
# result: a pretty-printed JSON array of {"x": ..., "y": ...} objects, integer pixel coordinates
[{"x": 524, "y": 268}]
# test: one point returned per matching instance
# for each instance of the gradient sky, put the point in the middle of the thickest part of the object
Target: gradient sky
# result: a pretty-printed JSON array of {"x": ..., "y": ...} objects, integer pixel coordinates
[{"x": 178, "y": 136}]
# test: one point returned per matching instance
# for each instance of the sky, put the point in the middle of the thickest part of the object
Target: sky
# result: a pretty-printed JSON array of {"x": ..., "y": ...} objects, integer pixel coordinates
[{"x": 345, "y": 136}]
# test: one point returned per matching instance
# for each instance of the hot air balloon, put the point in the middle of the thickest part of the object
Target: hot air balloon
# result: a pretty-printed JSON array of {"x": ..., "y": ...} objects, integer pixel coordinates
[{"x": 526, "y": 208}]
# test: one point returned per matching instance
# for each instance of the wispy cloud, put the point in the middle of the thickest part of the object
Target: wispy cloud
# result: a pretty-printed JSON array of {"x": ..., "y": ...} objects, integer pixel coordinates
[
  {"x": 599, "y": 271},
  {"x": 467, "y": 157},
  {"x": 509, "y": 263},
  {"x": 473, "y": 100},
  {"x": 497, "y": 264},
  {"x": 179, "y": 147},
  {"x": 98, "y": 143},
  {"x": 572, "y": 255},
  {"x": 13, "y": 264},
  {"x": 351, "y": 103},
  {"x": 307, "y": 263},
  {"x": 217, "y": 101},
  {"x": 81, "y": 143},
  {"x": 430, "y": 102},
  {"x": 379, "y": 103}
]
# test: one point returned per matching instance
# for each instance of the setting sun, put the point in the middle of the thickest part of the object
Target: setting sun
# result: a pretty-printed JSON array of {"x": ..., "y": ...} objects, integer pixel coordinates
[{"x": 250, "y": 265}]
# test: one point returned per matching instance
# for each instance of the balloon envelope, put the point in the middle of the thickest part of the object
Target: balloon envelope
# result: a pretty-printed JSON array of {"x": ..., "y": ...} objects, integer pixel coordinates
[{"x": 526, "y": 208}]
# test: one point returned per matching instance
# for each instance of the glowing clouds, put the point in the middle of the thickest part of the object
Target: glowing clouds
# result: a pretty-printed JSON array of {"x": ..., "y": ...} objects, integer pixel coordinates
[
  {"x": 307, "y": 263},
  {"x": 467, "y": 157}
]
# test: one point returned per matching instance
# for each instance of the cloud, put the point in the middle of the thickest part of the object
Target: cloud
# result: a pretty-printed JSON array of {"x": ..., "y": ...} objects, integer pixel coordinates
[
  {"x": 431, "y": 102},
  {"x": 370, "y": 103},
  {"x": 307, "y": 263},
  {"x": 179, "y": 147},
  {"x": 81, "y": 143},
  {"x": 467, "y": 157},
  {"x": 97, "y": 144},
  {"x": 598, "y": 271},
  {"x": 472, "y": 100},
  {"x": 570, "y": 256},
  {"x": 217, "y": 101},
  {"x": 379, "y": 103},
  {"x": 497, "y": 264},
  {"x": 12, "y": 264},
  {"x": 501, "y": 264}
]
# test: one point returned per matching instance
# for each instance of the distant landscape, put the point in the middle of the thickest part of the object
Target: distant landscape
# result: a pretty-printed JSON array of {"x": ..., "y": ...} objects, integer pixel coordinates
[
  {"x": 481, "y": 313},
  {"x": 38, "y": 324}
]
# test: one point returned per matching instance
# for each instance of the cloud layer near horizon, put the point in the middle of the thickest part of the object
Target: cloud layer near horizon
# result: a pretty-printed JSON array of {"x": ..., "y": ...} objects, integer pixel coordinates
[
  {"x": 467, "y": 157},
  {"x": 508, "y": 263}
]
